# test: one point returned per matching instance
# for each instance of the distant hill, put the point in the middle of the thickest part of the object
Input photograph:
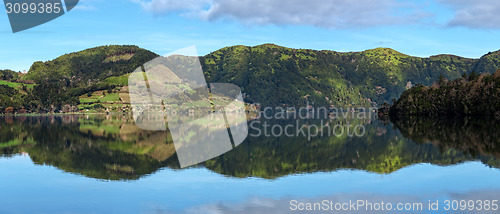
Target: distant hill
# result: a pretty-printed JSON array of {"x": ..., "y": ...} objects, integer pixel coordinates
[
  {"x": 267, "y": 74},
  {"x": 62, "y": 81},
  {"x": 93, "y": 65},
  {"x": 274, "y": 75}
]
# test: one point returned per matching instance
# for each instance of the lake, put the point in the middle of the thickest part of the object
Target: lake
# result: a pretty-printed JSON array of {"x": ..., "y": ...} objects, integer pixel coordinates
[{"x": 106, "y": 164}]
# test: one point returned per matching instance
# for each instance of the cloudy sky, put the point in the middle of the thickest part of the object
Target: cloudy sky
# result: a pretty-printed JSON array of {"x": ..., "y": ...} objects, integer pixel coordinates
[{"x": 419, "y": 28}]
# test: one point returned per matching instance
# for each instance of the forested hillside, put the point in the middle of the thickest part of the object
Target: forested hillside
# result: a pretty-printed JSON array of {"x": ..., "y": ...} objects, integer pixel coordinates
[
  {"x": 274, "y": 75},
  {"x": 469, "y": 95},
  {"x": 268, "y": 74},
  {"x": 91, "y": 66},
  {"x": 60, "y": 82}
]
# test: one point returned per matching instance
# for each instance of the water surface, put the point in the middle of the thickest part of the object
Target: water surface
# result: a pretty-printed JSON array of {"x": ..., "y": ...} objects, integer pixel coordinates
[{"x": 104, "y": 163}]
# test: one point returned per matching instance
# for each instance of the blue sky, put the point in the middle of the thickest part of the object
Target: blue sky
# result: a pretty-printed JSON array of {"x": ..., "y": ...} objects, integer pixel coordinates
[{"x": 418, "y": 28}]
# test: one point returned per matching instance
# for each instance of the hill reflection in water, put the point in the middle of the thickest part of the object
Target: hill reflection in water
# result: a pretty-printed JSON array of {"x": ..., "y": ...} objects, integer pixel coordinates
[{"x": 111, "y": 147}]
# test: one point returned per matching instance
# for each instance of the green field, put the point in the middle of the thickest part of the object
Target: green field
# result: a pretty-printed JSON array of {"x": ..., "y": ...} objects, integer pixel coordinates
[
  {"x": 118, "y": 80},
  {"x": 113, "y": 97},
  {"x": 15, "y": 84},
  {"x": 92, "y": 99}
]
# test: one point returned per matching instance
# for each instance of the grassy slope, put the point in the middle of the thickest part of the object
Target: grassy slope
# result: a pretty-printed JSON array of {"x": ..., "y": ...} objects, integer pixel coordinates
[{"x": 16, "y": 85}]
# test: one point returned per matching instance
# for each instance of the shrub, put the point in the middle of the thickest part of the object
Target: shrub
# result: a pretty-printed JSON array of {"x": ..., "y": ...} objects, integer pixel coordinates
[
  {"x": 98, "y": 106},
  {"x": 9, "y": 110}
]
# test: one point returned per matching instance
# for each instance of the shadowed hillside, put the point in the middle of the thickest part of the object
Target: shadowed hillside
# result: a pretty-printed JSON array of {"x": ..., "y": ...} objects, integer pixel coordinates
[{"x": 470, "y": 95}]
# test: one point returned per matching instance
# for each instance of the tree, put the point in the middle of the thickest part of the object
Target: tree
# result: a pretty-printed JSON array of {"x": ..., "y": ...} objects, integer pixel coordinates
[
  {"x": 9, "y": 110},
  {"x": 473, "y": 75},
  {"x": 442, "y": 79}
]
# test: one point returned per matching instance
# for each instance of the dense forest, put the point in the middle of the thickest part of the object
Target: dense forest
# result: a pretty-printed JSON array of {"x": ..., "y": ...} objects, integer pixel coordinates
[
  {"x": 9, "y": 75},
  {"x": 471, "y": 94},
  {"x": 268, "y": 74},
  {"x": 274, "y": 75}
]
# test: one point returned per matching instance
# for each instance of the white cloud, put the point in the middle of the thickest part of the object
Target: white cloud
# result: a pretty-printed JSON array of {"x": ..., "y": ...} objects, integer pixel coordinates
[
  {"x": 161, "y": 7},
  {"x": 323, "y": 13},
  {"x": 474, "y": 13},
  {"x": 86, "y": 5}
]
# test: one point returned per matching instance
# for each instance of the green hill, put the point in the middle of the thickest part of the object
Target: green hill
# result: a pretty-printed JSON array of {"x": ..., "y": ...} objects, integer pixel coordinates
[
  {"x": 90, "y": 66},
  {"x": 274, "y": 75},
  {"x": 267, "y": 74},
  {"x": 62, "y": 81}
]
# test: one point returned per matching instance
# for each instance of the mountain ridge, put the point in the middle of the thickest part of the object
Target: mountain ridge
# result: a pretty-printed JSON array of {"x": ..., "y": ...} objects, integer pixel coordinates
[
  {"x": 268, "y": 74},
  {"x": 384, "y": 71}
]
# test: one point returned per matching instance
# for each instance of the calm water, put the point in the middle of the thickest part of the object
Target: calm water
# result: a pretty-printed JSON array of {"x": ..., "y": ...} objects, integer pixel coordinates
[{"x": 105, "y": 164}]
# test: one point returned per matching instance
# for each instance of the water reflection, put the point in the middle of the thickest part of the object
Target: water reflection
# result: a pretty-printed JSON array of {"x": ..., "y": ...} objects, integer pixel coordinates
[
  {"x": 112, "y": 147},
  {"x": 475, "y": 136},
  {"x": 107, "y": 147}
]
